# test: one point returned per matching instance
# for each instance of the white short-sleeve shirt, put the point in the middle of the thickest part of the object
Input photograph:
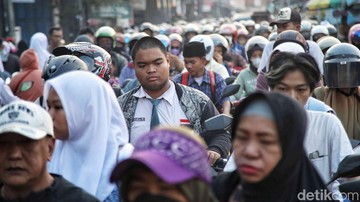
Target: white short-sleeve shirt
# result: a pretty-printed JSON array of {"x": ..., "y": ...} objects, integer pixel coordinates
[{"x": 169, "y": 110}]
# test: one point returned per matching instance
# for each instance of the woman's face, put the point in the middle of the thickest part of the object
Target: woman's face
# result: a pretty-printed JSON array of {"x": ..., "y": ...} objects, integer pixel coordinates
[
  {"x": 257, "y": 148},
  {"x": 57, "y": 114}
]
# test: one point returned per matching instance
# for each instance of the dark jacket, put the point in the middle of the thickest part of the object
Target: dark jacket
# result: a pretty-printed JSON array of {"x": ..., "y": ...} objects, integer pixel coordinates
[
  {"x": 12, "y": 64},
  {"x": 61, "y": 190},
  {"x": 225, "y": 184}
]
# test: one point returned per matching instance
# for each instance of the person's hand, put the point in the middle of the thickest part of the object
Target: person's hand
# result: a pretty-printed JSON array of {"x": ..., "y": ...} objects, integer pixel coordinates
[{"x": 212, "y": 157}]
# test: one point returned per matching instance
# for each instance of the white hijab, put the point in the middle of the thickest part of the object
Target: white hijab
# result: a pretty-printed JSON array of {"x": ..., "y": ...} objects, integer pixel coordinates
[
  {"x": 96, "y": 127},
  {"x": 39, "y": 43},
  {"x": 5, "y": 51},
  {"x": 1, "y": 66}
]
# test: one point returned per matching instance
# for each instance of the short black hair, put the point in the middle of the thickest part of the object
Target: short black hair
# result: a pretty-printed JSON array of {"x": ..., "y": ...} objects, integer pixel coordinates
[
  {"x": 147, "y": 42},
  {"x": 52, "y": 29},
  {"x": 86, "y": 30},
  {"x": 283, "y": 62}
]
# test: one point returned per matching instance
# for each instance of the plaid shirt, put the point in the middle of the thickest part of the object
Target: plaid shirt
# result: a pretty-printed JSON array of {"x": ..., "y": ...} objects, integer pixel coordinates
[{"x": 205, "y": 87}]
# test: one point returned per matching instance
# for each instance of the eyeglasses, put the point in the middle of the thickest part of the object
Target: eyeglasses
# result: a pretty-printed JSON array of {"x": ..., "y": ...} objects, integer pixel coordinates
[{"x": 175, "y": 47}]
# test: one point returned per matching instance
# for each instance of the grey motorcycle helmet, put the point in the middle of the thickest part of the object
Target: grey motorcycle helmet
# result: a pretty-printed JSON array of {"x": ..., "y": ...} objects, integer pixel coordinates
[{"x": 342, "y": 66}]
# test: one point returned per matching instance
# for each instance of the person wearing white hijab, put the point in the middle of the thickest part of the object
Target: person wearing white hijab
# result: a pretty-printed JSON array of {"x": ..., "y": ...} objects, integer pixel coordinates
[
  {"x": 95, "y": 130},
  {"x": 6, "y": 95},
  {"x": 39, "y": 43},
  {"x": 1, "y": 66},
  {"x": 10, "y": 62}
]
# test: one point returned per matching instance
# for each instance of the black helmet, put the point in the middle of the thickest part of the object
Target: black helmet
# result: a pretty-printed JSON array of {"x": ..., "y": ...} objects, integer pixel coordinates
[
  {"x": 342, "y": 66},
  {"x": 291, "y": 36},
  {"x": 96, "y": 58},
  {"x": 83, "y": 38},
  {"x": 327, "y": 42},
  {"x": 57, "y": 65}
]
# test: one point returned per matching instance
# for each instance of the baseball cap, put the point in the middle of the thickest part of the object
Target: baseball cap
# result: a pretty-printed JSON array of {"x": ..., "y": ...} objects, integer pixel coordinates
[
  {"x": 174, "y": 154},
  {"x": 286, "y": 15},
  {"x": 27, "y": 119}
]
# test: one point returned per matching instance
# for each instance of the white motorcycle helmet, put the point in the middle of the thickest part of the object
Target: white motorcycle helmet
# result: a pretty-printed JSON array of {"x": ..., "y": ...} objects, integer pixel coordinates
[
  {"x": 208, "y": 43},
  {"x": 318, "y": 31}
]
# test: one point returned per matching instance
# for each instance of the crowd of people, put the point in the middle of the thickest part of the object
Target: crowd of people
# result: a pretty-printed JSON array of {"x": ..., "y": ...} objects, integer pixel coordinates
[{"x": 120, "y": 115}]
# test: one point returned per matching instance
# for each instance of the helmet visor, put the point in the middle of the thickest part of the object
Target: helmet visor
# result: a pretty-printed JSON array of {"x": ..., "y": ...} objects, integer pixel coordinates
[
  {"x": 342, "y": 74},
  {"x": 356, "y": 37},
  {"x": 88, "y": 60},
  {"x": 256, "y": 45}
]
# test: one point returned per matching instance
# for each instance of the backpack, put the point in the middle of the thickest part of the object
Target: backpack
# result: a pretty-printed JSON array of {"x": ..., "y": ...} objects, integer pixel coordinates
[{"x": 185, "y": 79}]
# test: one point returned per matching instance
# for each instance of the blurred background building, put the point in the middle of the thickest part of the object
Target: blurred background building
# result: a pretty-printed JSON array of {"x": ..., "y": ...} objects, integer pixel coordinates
[{"x": 22, "y": 18}]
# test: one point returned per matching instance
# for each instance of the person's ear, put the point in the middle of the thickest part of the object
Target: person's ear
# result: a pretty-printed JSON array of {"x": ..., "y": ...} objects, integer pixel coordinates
[
  {"x": 298, "y": 27},
  {"x": 203, "y": 60},
  {"x": 50, "y": 147},
  {"x": 167, "y": 59}
]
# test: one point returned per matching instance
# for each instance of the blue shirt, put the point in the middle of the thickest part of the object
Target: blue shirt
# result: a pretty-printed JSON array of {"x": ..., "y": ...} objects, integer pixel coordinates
[
  {"x": 126, "y": 73},
  {"x": 205, "y": 87}
]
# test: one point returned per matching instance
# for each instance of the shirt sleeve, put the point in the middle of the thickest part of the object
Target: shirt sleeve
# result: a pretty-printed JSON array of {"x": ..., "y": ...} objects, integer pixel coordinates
[
  {"x": 340, "y": 148},
  {"x": 261, "y": 83},
  {"x": 219, "y": 90},
  {"x": 265, "y": 56},
  {"x": 239, "y": 80},
  {"x": 177, "y": 78},
  {"x": 219, "y": 140}
]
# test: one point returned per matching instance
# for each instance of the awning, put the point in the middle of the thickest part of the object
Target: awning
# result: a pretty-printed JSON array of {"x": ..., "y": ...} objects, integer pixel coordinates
[
  {"x": 351, "y": 2},
  {"x": 324, "y": 4}
]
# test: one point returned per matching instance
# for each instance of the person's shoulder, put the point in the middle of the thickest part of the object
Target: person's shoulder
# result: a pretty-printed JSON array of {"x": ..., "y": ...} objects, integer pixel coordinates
[
  {"x": 224, "y": 184},
  {"x": 193, "y": 92},
  {"x": 218, "y": 77},
  {"x": 323, "y": 119},
  {"x": 245, "y": 72},
  {"x": 313, "y": 47},
  {"x": 67, "y": 192},
  {"x": 129, "y": 93},
  {"x": 177, "y": 78},
  {"x": 226, "y": 177},
  {"x": 13, "y": 56},
  {"x": 311, "y": 43}
]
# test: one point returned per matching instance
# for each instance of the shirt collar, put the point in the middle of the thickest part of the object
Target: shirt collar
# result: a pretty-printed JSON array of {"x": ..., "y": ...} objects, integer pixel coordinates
[
  {"x": 206, "y": 78},
  {"x": 168, "y": 95}
]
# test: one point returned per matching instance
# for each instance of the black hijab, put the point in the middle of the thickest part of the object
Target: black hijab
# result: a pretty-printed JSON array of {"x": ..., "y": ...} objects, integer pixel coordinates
[{"x": 294, "y": 173}]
